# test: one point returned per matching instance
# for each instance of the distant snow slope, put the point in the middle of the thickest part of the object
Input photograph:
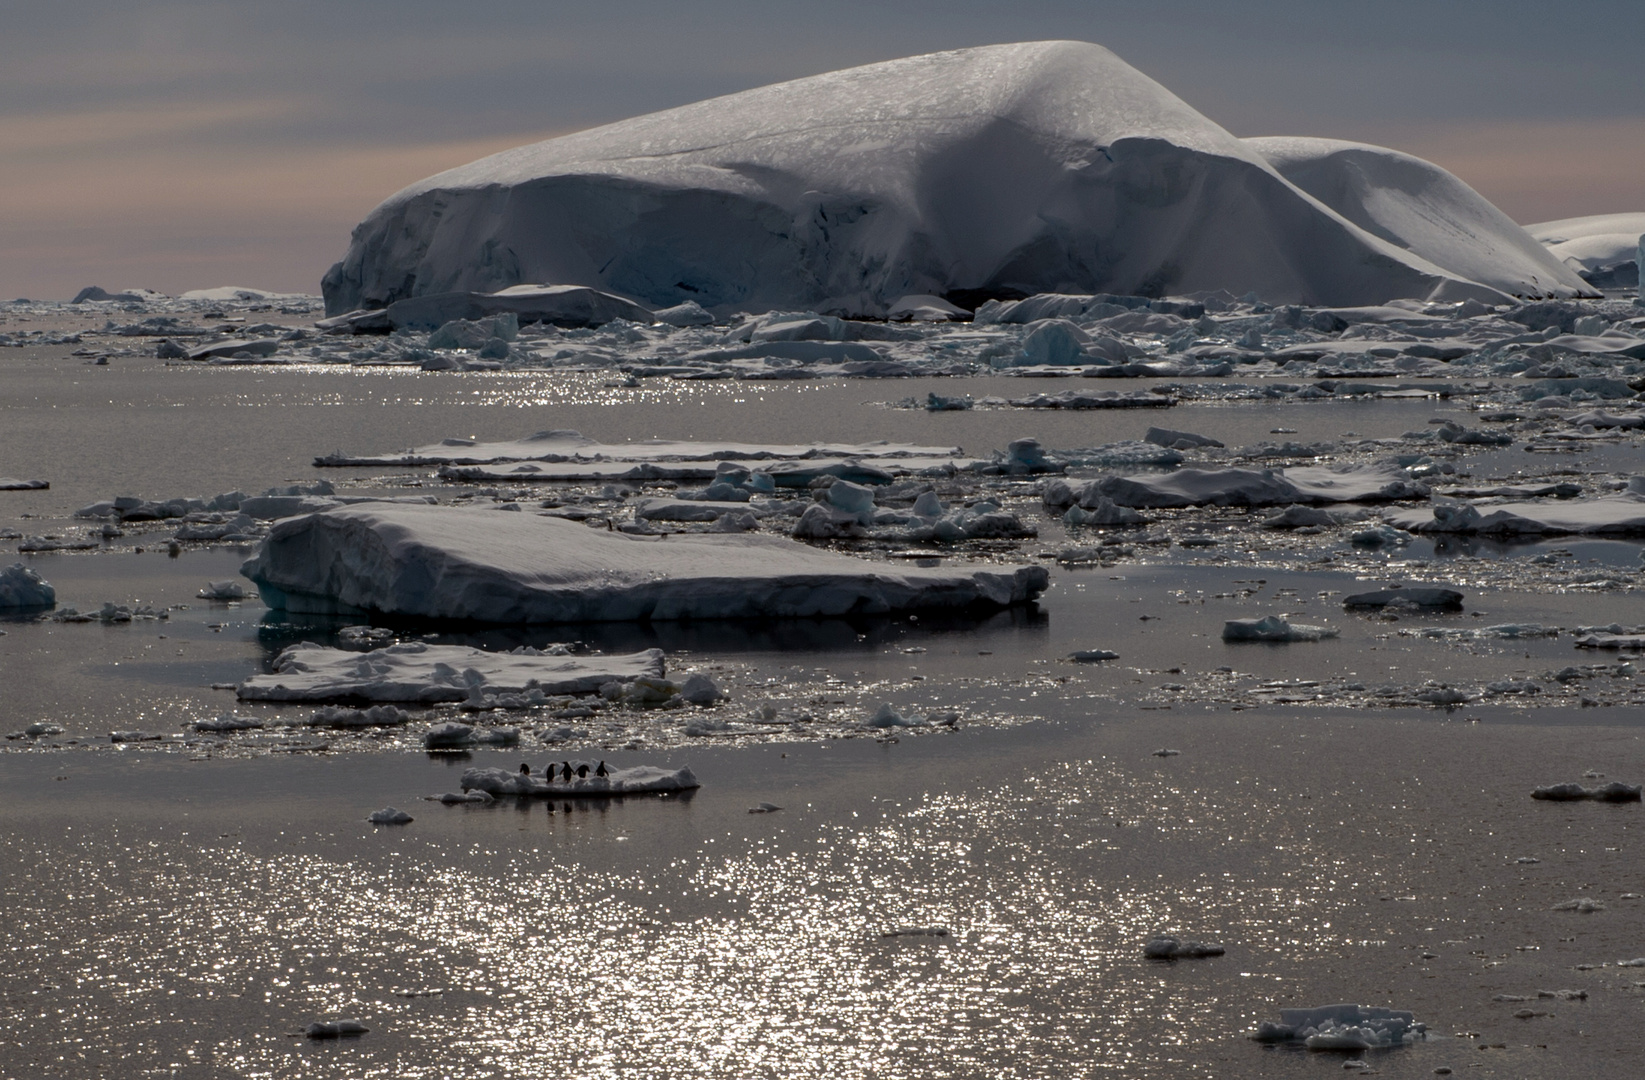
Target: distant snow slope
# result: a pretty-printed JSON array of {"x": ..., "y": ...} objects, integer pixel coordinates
[
  {"x": 1604, "y": 249},
  {"x": 1047, "y": 166},
  {"x": 1422, "y": 208}
]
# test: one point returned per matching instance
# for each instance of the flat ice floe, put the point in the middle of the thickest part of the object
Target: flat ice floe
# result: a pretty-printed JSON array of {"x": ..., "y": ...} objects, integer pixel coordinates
[
  {"x": 993, "y": 168},
  {"x": 564, "y": 446},
  {"x": 633, "y": 781},
  {"x": 1623, "y": 515},
  {"x": 11, "y": 483},
  {"x": 1246, "y": 487},
  {"x": 415, "y": 671},
  {"x": 1342, "y": 1027},
  {"x": 483, "y": 566}
]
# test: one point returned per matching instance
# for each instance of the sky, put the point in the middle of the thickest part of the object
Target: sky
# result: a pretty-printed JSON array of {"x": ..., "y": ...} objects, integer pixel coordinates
[{"x": 176, "y": 144}]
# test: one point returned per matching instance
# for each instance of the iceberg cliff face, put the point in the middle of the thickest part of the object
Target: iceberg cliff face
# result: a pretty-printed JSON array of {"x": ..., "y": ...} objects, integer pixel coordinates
[
  {"x": 1420, "y": 207},
  {"x": 1035, "y": 167}
]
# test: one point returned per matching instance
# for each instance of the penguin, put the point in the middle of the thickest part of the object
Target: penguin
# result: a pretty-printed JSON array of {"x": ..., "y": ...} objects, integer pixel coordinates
[
  {"x": 565, "y": 767},
  {"x": 602, "y": 771},
  {"x": 525, "y": 769},
  {"x": 582, "y": 771}
]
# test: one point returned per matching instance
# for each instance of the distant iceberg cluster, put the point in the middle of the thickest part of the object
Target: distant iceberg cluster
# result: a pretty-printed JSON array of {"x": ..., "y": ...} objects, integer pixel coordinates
[{"x": 993, "y": 172}]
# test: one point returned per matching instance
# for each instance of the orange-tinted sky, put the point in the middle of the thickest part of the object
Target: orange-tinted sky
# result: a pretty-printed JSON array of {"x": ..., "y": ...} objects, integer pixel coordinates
[{"x": 177, "y": 145}]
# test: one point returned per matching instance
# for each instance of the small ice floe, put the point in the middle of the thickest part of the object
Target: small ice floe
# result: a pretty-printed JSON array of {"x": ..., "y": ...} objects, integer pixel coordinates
[
  {"x": 1170, "y": 948},
  {"x": 40, "y": 728},
  {"x": 389, "y": 815},
  {"x": 23, "y": 587},
  {"x": 222, "y": 590},
  {"x": 1582, "y": 905},
  {"x": 1162, "y": 752},
  {"x": 631, "y": 781},
  {"x": 888, "y": 717},
  {"x": 1273, "y": 628},
  {"x": 1442, "y": 695},
  {"x": 1342, "y": 1027},
  {"x": 11, "y": 483},
  {"x": 365, "y": 635},
  {"x": 134, "y": 736},
  {"x": 335, "y": 1029},
  {"x": 917, "y": 931},
  {"x": 1092, "y": 656},
  {"x": 1615, "y": 791},
  {"x": 1563, "y": 995},
  {"x": 227, "y": 722},
  {"x": 764, "y": 808},
  {"x": 1433, "y": 599},
  {"x": 1527, "y": 860},
  {"x": 454, "y": 736},
  {"x": 1300, "y": 517},
  {"x": 452, "y": 797},
  {"x": 336, "y": 716},
  {"x": 1379, "y": 536}
]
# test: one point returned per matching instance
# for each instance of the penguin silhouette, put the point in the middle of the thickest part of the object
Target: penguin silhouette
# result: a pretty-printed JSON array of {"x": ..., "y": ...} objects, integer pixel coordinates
[
  {"x": 525, "y": 770},
  {"x": 565, "y": 767},
  {"x": 601, "y": 771},
  {"x": 582, "y": 771}
]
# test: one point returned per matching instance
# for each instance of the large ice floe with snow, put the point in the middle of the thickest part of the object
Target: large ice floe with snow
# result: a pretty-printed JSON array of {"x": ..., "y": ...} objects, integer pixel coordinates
[
  {"x": 416, "y": 671},
  {"x": 1048, "y": 166},
  {"x": 446, "y": 563}
]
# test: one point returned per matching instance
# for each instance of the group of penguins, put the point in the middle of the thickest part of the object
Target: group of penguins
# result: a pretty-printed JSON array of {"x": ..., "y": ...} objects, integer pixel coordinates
[{"x": 565, "y": 771}]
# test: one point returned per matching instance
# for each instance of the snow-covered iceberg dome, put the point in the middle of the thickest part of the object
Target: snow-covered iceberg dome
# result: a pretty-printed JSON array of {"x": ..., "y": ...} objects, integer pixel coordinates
[
  {"x": 1420, "y": 207},
  {"x": 1048, "y": 166},
  {"x": 1603, "y": 249}
]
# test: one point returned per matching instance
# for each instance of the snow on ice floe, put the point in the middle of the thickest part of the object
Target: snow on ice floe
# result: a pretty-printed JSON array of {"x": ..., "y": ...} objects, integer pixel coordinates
[
  {"x": 1603, "y": 249},
  {"x": 22, "y": 587},
  {"x": 1242, "y": 487},
  {"x": 390, "y": 815},
  {"x": 447, "y": 563},
  {"x": 639, "y": 779},
  {"x": 417, "y": 671},
  {"x": 564, "y": 446},
  {"x": 1420, "y": 207},
  {"x": 1001, "y": 167},
  {"x": 11, "y": 483},
  {"x": 1622, "y": 515},
  {"x": 1342, "y": 1027}
]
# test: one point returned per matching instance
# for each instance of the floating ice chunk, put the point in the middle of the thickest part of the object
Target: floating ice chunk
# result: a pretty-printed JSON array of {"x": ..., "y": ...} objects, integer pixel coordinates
[
  {"x": 333, "y": 716},
  {"x": 1178, "y": 440},
  {"x": 227, "y": 722},
  {"x": 1442, "y": 599},
  {"x": 11, "y": 483},
  {"x": 563, "y": 445},
  {"x": 888, "y": 717},
  {"x": 689, "y": 313},
  {"x": 701, "y": 690},
  {"x": 1091, "y": 656},
  {"x": 417, "y": 671},
  {"x": 935, "y": 402},
  {"x": 467, "y": 334},
  {"x": 928, "y": 506},
  {"x": 39, "y": 728},
  {"x": 851, "y": 498},
  {"x": 1582, "y": 905},
  {"x": 764, "y": 808},
  {"x": 442, "y": 563},
  {"x": 453, "y": 797},
  {"x": 1442, "y": 695},
  {"x": 637, "y": 780},
  {"x": 223, "y": 590},
  {"x": 1380, "y": 536},
  {"x": 1267, "y": 487},
  {"x": 389, "y": 815},
  {"x": 22, "y": 587},
  {"x": 1620, "y": 516},
  {"x": 336, "y": 1029},
  {"x": 1273, "y": 628},
  {"x": 1299, "y": 517},
  {"x": 1342, "y": 1027},
  {"x": 1170, "y": 948},
  {"x": 1167, "y": 753},
  {"x": 923, "y": 307},
  {"x": 448, "y": 735},
  {"x": 1615, "y": 791},
  {"x": 917, "y": 931}
]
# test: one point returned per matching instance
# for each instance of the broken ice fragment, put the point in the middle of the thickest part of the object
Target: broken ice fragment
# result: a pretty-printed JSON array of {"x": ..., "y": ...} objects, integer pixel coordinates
[
  {"x": 1170, "y": 948},
  {"x": 335, "y": 1029},
  {"x": 1091, "y": 656},
  {"x": 1615, "y": 791},
  {"x": 389, "y": 815},
  {"x": 1445, "y": 599},
  {"x": 1273, "y": 628}
]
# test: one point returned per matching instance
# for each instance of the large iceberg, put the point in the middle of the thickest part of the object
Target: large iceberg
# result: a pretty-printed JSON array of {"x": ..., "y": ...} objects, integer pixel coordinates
[
  {"x": 1424, "y": 209},
  {"x": 443, "y": 563},
  {"x": 1005, "y": 170}
]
